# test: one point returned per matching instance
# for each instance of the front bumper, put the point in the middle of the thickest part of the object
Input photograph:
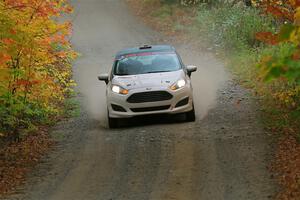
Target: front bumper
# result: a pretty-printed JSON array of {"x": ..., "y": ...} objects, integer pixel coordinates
[{"x": 167, "y": 106}]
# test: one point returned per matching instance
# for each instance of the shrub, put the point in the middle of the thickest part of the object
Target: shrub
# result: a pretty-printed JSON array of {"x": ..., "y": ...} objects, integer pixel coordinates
[
  {"x": 284, "y": 91},
  {"x": 232, "y": 28}
]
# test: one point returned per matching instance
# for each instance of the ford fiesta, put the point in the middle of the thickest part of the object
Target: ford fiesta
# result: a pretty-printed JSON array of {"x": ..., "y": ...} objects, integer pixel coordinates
[{"x": 148, "y": 80}]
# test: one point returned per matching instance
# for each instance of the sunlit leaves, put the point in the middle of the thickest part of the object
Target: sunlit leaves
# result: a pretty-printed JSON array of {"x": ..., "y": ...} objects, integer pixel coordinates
[
  {"x": 287, "y": 65},
  {"x": 285, "y": 32},
  {"x": 34, "y": 53}
]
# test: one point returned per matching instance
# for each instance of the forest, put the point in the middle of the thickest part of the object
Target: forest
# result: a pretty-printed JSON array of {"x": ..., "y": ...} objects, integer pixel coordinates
[{"x": 258, "y": 40}]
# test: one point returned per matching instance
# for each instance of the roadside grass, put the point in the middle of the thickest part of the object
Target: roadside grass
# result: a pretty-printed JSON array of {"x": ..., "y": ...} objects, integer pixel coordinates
[
  {"x": 230, "y": 28},
  {"x": 71, "y": 108}
]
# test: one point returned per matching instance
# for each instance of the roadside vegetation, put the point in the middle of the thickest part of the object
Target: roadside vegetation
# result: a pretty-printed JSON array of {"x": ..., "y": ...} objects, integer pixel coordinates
[
  {"x": 35, "y": 64},
  {"x": 259, "y": 42},
  {"x": 35, "y": 81}
]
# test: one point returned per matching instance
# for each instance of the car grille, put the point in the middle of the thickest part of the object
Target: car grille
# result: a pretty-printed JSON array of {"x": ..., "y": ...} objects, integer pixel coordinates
[
  {"x": 153, "y": 96},
  {"x": 148, "y": 109}
]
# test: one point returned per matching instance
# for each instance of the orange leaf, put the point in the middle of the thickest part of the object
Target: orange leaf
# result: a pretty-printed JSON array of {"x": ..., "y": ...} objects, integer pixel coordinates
[
  {"x": 4, "y": 58},
  {"x": 8, "y": 41},
  {"x": 267, "y": 37},
  {"x": 23, "y": 82},
  {"x": 13, "y": 32}
]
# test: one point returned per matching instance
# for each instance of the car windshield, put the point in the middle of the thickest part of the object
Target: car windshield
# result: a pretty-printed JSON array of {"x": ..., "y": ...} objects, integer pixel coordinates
[{"x": 144, "y": 63}]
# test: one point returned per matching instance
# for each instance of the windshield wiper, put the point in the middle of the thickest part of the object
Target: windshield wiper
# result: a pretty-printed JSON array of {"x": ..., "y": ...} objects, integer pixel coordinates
[
  {"x": 122, "y": 74},
  {"x": 157, "y": 72}
]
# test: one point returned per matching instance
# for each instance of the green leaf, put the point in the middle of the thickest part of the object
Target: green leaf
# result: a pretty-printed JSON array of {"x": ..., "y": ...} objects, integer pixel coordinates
[{"x": 286, "y": 31}]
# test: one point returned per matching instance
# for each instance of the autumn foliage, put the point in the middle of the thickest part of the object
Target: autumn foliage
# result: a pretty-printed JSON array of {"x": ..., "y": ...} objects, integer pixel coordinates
[
  {"x": 288, "y": 66},
  {"x": 35, "y": 63},
  {"x": 283, "y": 69}
]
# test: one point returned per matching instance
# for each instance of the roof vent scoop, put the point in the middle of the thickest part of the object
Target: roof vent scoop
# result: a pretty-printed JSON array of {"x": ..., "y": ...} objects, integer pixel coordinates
[{"x": 146, "y": 47}]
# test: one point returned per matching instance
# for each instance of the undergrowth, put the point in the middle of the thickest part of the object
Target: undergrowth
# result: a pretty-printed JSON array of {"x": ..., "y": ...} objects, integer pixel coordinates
[{"x": 231, "y": 32}]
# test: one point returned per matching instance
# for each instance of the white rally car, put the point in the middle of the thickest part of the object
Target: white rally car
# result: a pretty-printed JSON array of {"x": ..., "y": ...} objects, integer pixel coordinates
[{"x": 148, "y": 80}]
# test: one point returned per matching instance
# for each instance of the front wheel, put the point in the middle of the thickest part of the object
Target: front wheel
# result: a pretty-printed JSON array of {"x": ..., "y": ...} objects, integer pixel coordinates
[
  {"x": 113, "y": 122},
  {"x": 190, "y": 116}
]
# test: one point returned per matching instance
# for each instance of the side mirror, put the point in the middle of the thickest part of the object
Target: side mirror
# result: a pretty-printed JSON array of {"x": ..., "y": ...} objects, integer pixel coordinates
[
  {"x": 103, "y": 77},
  {"x": 190, "y": 69}
]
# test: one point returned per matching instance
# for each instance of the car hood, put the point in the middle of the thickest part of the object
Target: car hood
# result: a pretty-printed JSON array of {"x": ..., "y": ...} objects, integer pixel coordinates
[{"x": 148, "y": 80}]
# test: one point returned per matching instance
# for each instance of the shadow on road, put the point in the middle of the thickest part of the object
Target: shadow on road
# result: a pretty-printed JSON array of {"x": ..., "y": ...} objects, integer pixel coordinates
[{"x": 151, "y": 120}]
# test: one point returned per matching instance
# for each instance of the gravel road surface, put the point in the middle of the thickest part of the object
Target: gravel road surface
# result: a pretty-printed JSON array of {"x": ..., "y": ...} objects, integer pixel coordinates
[{"x": 222, "y": 156}]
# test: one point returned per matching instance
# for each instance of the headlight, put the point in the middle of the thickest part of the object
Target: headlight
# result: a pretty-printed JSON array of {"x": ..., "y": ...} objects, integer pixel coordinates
[
  {"x": 179, "y": 84},
  {"x": 119, "y": 90}
]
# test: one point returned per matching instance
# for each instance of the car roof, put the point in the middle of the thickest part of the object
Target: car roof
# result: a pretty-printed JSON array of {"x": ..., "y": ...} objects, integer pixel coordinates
[{"x": 145, "y": 48}]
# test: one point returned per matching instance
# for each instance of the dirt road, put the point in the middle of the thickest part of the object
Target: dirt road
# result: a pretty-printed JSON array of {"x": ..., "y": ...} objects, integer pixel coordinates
[{"x": 223, "y": 155}]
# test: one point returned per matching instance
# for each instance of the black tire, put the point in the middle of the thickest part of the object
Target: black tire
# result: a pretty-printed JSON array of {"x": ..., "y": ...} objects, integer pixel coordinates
[
  {"x": 113, "y": 122},
  {"x": 190, "y": 116}
]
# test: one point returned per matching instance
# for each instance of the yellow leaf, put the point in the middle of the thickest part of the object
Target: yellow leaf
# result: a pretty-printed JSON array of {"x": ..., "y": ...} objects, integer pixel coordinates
[{"x": 297, "y": 17}]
